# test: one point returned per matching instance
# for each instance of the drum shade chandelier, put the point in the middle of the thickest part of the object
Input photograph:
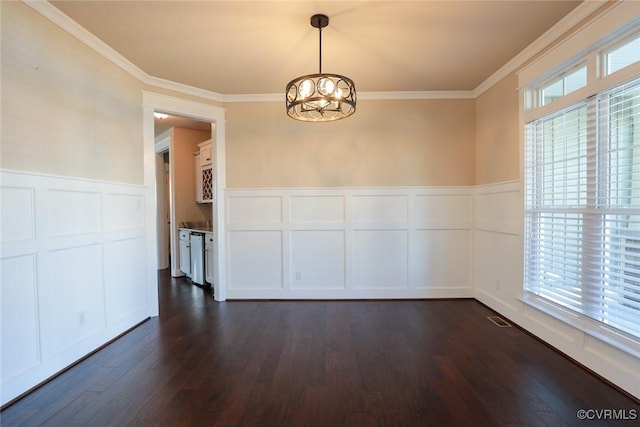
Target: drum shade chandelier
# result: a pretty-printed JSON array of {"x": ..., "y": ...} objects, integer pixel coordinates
[{"x": 320, "y": 97}]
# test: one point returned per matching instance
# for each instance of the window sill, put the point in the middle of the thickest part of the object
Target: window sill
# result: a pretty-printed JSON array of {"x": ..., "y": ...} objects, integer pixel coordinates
[{"x": 608, "y": 335}]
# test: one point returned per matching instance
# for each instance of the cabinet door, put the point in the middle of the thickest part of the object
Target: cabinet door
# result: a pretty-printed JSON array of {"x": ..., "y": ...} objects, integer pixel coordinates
[
  {"x": 207, "y": 185},
  {"x": 185, "y": 257},
  {"x": 205, "y": 155}
]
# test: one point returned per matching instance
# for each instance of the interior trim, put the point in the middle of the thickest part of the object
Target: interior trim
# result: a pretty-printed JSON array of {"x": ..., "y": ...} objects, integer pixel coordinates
[{"x": 72, "y": 27}]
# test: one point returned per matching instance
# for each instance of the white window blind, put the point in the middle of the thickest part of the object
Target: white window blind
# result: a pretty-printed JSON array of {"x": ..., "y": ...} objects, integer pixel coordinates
[{"x": 582, "y": 208}]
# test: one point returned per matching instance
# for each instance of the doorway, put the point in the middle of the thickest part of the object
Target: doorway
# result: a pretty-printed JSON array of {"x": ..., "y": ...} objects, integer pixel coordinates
[
  {"x": 197, "y": 111},
  {"x": 173, "y": 154}
]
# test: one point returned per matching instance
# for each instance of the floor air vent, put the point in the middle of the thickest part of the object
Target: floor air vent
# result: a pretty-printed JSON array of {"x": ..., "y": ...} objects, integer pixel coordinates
[{"x": 499, "y": 321}]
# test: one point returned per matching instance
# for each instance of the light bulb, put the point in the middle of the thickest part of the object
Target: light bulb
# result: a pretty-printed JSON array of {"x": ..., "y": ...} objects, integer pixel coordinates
[
  {"x": 326, "y": 86},
  {"x": 306, "y": 88}
]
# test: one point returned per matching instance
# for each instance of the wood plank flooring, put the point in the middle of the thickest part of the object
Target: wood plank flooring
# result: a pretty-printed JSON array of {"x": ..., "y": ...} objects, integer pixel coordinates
[{"x": 319, "y": 363}]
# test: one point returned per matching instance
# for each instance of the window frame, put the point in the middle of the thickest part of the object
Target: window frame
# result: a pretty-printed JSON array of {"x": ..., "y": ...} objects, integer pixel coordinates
[
  {"x": 533, "y": 79},
  {"x": 616, "y": 44},
  {"x": 539, "y": 90}
]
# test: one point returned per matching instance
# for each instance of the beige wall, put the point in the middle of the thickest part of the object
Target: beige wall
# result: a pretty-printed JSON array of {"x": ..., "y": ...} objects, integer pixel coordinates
[
  {"x": 497, "y": 133},
  {"x": 68, "y": 111},
  {"x": 65, "y": 109},
  {"x": 184, "y": 143},
  {"x": 385, "y": 143}
]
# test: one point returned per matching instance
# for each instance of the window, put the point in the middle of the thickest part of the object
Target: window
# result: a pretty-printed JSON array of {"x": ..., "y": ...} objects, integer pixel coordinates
[
  {"x": 582, "y": 207},
  {"x": 622, "y": 56},
  {"x": 564, "y": 85}
]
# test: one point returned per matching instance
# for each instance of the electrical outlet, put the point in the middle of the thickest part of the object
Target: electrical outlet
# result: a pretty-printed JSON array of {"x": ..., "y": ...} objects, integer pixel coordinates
[
  {"x": 82, "y": 318},
  {"x": 498, "y": 284}
]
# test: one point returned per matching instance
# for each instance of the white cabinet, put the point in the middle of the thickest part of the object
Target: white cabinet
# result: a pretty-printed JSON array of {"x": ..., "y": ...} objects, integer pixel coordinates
[
  {"x": 207, "y": 185},
  {"x": 206, "y": 153},
  {"x": 198, "y": 170},
  {"x": 185, "y": 252},
  {"x": 197, "y": 258},
  {"x": 208, "y": 257},
  {"x": 204, "y": 172}
]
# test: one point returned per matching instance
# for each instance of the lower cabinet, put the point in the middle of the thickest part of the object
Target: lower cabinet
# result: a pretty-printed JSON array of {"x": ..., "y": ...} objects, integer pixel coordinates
[
  {"x": 208, "y": 258},
  {"x": 185, "y": 252}
]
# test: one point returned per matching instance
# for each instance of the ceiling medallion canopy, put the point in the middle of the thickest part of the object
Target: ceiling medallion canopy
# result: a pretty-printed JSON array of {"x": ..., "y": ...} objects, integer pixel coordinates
[{"x": 320, "y": 97}]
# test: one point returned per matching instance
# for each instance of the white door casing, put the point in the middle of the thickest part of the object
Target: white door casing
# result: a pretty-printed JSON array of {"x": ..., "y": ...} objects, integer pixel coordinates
[{"x": 199, "y": 111}]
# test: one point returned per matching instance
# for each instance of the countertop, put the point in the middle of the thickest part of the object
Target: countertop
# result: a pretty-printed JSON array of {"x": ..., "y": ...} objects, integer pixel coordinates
[{"x": 198, "y": 229}]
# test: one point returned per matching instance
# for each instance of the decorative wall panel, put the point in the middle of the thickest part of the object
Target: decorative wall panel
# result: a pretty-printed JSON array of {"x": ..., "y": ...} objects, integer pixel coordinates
[
  {"x": 444, "y": 210},
  {"x": 20, "y": 348},
  {"x": 349, "y": 242},
  {"x": 254, "y": 210},
  {"x": 124, "y": 278},
  {"x": 255, "y": 260},
  {"x": 380, "y": 209},
  {"x": 380, "y": 259},
  {"x": 73, "y": 263},
  {"x": 317, "y": 209},
  {"x": 124, "y": 211},
  {"x": 70, "y": 296},
  {"x": 318, "y": 259},
  {"x": 17, "y": 221},
  {"x": 442, "y": 259},
  {"x": 73, "y": 212}
]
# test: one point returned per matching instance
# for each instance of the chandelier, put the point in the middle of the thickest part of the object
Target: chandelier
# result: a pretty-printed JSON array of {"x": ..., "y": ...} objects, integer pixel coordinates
[{"x": 321, "y": 97}]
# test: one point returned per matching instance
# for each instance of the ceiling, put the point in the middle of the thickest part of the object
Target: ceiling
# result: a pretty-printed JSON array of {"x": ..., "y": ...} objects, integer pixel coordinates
[
  {"x": 256, "y": 47},
  {"x": 171, "y": 121}
]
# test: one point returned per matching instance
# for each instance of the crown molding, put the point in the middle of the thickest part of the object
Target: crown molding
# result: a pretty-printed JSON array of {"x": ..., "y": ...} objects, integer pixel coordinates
[
  {"x": 407, "y": 95},
  {"x": 370, "y": 96},
  {"x": 256, "y": 97},
  {"x": 182, "y": 88},
  {"x": 46, "y": 9},
  {"x": 577, "y": 15}
]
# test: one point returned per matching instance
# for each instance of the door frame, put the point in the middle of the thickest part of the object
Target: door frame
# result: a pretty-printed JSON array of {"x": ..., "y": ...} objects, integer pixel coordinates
[{"x": 151, "y": 102}]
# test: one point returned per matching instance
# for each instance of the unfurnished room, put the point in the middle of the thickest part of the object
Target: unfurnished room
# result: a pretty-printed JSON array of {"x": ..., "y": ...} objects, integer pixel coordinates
[{"x": 327, "y": 213}]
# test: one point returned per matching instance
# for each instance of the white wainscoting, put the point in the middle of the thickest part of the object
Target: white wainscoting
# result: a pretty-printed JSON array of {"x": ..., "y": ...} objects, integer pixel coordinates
[
  {"x": 498, "y": 283},
  {"x": 73, "y": 268},
  {"x": 412, "y": 242}
]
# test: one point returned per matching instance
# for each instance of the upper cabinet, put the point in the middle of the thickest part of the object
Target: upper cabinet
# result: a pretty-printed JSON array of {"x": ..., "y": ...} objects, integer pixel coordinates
[
  {"x": 204, "y": 172},
  {"x": 206, "y": 157}
]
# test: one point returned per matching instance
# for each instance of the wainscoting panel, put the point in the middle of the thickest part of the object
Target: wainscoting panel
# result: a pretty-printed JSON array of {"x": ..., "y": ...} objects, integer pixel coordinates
[
  {"x": 73, "y": 258},
  {"x": 17, "y": 223},
  {"x": 20, "y": 349},
  {"x": 255, "y": 210},
  {"x": 124, "y": 211},
  {"x": 405, "y": 242},
  {"x": 441, "y": 259},
  {"x": 124, "y": 278},
  {"x": 380, "y": 209},
  {"x": 317, "y": 259},
  {"x": 380, "y": 259},
  {"x": 70, "y": 298},
  {"x": 255, "y": 259},
  {"x": 444, "y": 211},
  {"x": 317, "y": 209},
  {"x": 74, "y": 212}
]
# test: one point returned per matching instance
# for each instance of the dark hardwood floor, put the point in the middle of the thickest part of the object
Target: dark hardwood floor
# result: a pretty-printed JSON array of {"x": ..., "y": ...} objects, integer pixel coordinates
[{"x": 319, "y": 363}]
